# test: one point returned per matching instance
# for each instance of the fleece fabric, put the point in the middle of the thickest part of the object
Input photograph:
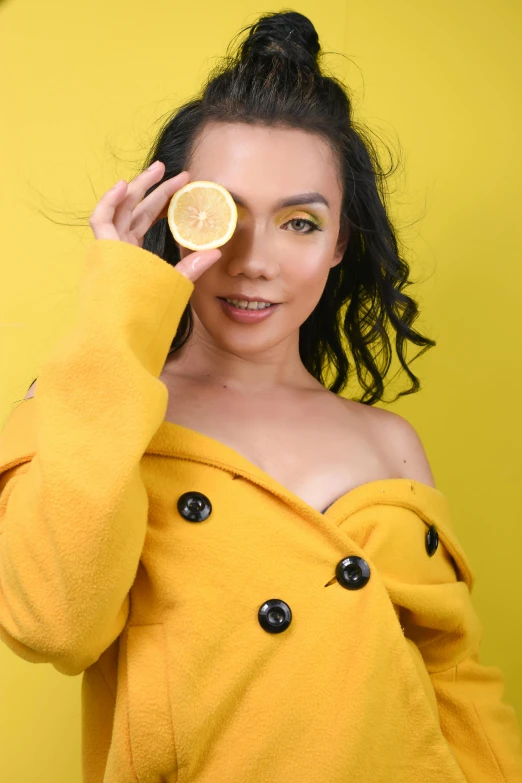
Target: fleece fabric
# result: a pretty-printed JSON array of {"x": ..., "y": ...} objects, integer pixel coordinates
[{"x": 144, "y": 555}]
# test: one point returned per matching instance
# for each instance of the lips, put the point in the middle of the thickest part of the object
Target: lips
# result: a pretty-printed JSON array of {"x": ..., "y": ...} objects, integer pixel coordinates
[{"x": 245, "y": 315}]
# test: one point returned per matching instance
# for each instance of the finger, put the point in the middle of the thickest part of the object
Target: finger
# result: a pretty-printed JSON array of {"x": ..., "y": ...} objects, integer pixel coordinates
[
  {"x": 138, "y": 186},
  {"x": 155, "y": 206},
  {"x": 101, "y": 220},
  {"x": 195, "y": 264}
]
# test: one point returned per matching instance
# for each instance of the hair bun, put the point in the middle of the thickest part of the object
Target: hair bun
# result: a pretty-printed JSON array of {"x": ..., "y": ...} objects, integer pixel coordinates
[{"x": 289, "y": 34}]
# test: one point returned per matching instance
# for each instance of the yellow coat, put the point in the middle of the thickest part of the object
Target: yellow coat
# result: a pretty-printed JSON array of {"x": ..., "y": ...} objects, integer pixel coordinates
[{"x": 227, "y": 631}]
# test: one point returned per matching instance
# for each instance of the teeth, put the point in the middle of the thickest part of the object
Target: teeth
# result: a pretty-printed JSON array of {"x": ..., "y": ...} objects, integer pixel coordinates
[{"x": 247, "y": 305}]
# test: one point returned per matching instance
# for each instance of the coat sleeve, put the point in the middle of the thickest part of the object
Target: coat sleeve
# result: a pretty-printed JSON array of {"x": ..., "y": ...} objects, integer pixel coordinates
[
  {"x": 479, "y": 726},
  {"x": 73, "y": 505}
]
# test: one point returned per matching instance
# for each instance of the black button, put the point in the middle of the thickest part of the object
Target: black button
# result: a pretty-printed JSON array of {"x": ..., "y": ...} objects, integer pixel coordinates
[
  {"x": 194, "y": 506},
  {"x": 432, "y": 540},
  {"x": 274, "y": 616},
  {"x": 352, "y": 572}
]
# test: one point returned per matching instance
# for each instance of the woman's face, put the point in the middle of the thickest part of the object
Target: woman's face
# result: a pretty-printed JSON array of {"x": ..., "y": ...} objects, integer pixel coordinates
[{"x": 274, "y": 254}]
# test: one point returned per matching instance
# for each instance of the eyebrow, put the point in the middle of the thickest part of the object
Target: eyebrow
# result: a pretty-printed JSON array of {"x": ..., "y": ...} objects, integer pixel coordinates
[{"x": 292, "y": 201}]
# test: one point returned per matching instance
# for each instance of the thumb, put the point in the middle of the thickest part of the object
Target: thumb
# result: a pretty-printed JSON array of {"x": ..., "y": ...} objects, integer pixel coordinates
[{"x": 195, "y": 264}]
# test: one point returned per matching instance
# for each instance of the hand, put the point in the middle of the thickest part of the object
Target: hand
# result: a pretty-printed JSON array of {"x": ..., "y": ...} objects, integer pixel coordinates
[{"x": 123, "y": 214}]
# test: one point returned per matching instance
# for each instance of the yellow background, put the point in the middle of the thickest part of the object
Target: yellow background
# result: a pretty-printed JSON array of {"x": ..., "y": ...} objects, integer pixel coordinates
[{"x": 82, "y": 85}]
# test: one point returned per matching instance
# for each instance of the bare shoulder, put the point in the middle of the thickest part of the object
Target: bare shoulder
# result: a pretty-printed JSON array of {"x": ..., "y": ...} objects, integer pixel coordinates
[{"x": 401, "y": 441}]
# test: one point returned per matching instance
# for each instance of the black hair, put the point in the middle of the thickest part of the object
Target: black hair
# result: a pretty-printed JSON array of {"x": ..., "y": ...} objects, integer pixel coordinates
[{"x": 275, "y": 79}]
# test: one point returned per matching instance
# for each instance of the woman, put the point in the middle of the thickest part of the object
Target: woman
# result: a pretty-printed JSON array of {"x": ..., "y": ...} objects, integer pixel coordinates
[{"x": 257, "y": 577}]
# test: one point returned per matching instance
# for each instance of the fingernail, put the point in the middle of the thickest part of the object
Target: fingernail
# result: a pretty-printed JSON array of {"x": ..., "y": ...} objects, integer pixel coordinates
[
  {"x": 153, "y": 165},
  {"x": 209, "y": 257},
  {"x": 117, "y": 184},
  {"x": 195, "y": 262}
]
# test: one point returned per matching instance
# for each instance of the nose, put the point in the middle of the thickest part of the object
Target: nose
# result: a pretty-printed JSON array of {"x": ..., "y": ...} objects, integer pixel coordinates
[{"x": 252, "y": 252}]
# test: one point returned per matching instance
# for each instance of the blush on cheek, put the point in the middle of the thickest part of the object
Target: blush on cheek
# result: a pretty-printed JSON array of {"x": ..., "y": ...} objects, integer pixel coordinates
[{"x": 310, "y": 279}]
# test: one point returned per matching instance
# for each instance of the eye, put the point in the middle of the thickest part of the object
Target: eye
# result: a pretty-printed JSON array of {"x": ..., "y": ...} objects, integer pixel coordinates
[{"x": 313, "y": 226}]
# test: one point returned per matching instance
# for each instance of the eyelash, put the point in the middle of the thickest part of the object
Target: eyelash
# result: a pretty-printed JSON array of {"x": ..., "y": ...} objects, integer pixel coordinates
[{"x": 314, "y": 226}]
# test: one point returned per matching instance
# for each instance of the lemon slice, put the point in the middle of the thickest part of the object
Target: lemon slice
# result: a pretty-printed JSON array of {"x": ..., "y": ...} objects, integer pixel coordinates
[{"x": 202, "y": 215}]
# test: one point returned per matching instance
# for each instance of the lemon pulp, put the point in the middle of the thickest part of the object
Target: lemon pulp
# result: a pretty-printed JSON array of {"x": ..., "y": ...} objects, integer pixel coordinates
[{"x": 202, "y": 215}]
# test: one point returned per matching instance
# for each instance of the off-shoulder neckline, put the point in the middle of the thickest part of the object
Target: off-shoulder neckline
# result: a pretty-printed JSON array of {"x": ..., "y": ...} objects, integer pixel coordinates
[
  {"x": 176, "y": 439},
  {"x": 427, "y": 502}
]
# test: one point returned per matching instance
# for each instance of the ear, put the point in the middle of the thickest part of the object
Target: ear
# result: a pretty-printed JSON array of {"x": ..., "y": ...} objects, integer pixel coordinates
[{"x": 342, "y": 244}]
